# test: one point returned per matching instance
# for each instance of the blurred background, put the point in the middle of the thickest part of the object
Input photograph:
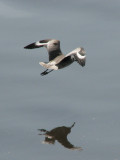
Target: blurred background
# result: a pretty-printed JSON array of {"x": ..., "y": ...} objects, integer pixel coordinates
[{"x": 89, "y": 96}]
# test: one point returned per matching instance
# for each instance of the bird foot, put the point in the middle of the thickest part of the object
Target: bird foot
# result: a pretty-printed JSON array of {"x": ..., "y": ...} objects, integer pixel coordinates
[{"x": 46, "y": 72}]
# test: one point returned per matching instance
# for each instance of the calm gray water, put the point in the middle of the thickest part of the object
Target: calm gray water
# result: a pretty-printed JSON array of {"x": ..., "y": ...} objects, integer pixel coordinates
[{"x": 89, "y": 96}]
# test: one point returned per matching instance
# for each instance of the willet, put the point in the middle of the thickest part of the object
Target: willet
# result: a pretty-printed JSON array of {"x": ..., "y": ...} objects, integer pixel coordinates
[
  {"x": 60, "y": 134},
  {"x": 57, "y": 59}
]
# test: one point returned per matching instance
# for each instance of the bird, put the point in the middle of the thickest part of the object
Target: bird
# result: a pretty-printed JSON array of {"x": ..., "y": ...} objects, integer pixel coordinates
[
  {"x": 59, "y": 134},
  {"x": 57, "y": 60}
]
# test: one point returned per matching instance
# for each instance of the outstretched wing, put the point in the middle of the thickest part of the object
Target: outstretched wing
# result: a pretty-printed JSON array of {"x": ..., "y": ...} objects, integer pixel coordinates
[
  {"x": 79, "y": 56},
  {"x": 64, "y": 141},
  {"x": 52, "y": 46},
  {"x": 81, "y": 59},
  {"x": 37, "y": 44}
]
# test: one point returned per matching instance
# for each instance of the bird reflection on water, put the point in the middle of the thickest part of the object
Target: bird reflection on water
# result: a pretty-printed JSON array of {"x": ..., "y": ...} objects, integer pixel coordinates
[{"x": 59, "y": 134}]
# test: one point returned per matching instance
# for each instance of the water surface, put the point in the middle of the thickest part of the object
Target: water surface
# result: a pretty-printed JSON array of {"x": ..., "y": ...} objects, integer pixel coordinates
[{"x": 88, "y": 96}]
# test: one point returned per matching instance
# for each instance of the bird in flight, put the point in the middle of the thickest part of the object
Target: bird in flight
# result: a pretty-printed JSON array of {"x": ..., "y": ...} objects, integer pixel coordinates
[
  {"x": 59, "y": 134},
  {"x": 57, "y": 60}
]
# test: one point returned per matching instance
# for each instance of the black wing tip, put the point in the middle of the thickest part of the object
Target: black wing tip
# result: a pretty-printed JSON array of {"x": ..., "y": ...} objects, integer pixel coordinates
[
  {"x": 25, "y": 47},
  {"x": 30, "y": 46},
  {"x": 83, "y": 64}
]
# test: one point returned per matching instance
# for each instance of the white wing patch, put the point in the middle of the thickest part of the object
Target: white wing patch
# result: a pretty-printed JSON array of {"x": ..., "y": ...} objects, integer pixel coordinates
[
  {"x": 79, "y": 56},
  {"x": 49, "y": 65},
  {"x": 40, "y": 44}
]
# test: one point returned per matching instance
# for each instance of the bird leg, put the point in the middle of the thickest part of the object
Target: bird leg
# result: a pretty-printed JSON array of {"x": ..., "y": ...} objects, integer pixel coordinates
[{"x": 46, "y": 72}]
